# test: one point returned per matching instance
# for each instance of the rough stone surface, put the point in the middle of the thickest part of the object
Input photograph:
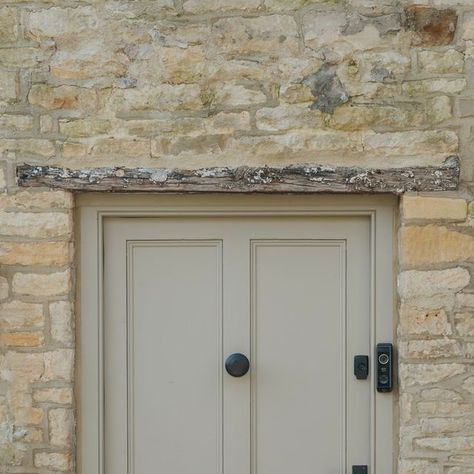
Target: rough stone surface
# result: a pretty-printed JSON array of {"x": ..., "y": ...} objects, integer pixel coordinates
[{"x": 420, "y": 207}]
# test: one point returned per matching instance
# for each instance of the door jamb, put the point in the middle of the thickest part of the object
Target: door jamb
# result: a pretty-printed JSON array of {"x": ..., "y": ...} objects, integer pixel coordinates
[{"x": 94, "y": 208}]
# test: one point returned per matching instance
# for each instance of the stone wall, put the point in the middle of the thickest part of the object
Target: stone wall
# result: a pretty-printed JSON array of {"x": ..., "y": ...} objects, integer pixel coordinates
[{"x": 196, "y": 83}]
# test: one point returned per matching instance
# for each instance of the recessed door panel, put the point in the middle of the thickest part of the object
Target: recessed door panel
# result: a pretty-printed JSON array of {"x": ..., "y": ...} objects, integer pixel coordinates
[{"x": 298, "y": 352}]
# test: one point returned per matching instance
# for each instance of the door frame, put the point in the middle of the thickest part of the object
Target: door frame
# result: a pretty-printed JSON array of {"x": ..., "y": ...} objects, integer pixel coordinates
[{"x": 94, "y": 208}]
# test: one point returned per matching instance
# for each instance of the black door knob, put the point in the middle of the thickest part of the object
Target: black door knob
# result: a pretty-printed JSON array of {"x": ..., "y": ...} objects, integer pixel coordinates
[{"x": 237, "y": 365}]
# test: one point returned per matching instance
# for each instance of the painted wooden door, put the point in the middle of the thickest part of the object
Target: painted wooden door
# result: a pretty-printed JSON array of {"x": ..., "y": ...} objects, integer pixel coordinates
[{"x": 184, "y": 293}]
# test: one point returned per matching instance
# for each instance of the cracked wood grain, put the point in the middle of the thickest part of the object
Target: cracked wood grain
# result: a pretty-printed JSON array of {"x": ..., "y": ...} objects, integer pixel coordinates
[{"x": 290, "y": 179}]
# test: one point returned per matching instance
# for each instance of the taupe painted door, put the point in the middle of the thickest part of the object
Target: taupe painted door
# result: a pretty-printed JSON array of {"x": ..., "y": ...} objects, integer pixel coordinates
[{"x": 183, "y": 293}]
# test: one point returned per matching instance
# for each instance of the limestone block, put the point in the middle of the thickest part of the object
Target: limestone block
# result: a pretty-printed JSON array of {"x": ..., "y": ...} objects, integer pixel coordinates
[
  {"x": 20, "y": 315},
  {"x": 468, "y": 27},
  {"x": 28, "y": 146},
  {"x": 21, "y": 339},
  {"x": 37, "y": 200},
  {"x": 447, "y": 444},
  {"x": 3, "y": 290},
  {"x": 446, "y": 425},
  {"x": 41, "y": 225},
  {"x": 37, "y": 284},
  {"x": 284, "y": 5},
  {"x": 242, "y": 37},
  {"x": 414, "y": 466},
  {"x": 63, "y": 395},
  {"x": 203, "y": 6},
  {"x": 82, "y": 128},
  {"x": 440, "y": 394},
  {"x": 423, "y": 374},
  {"x": 61, "y": 424},
  {"x": 413, "y": 142},
  {"x": 27, "y": 56},
  {"x": 464, "y": 324},
  {"x": 287, "y": 117},
  {"x": 431, "y": 26},
  {"x": 439, "y": 109},
  {"x": 434, "y": 244},
  {"x": 16, "y": 123},
  {"x": 63, "y": 97},
  {"x": 112, "y": 147},
  {"x": 61, "y": 321},
  {"x": 436, "y": 208},
  {"x": 443, "y": 408},
  {"x": 53, "y": 461},
  {"x": 416, "y": 321},
  {"x": 465, "y": 300},
  {"x": 460, "y": 470},
  {"x": 20, "y": 367},
  {"x": 445, "y": 62},
  {"x": 236, "y": 95},
  {"x": 34, "y": 253},
  {"x": 436, "y": 85},
  {"x": 58, "y": 365},
  {"x": 7, "y": 86},
  {"x": 8, "y": 24},
  {"x": 468, "y": 384},
  {"x": 432, "y": 349},
  {"x": 57, "y": 22},
  {"x": 415, "y": 283}
]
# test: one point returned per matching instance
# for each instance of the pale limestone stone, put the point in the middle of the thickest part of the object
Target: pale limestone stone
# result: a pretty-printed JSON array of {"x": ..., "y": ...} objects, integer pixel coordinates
[
  {"x": 287, "y": 117},
  {"x": 439, "y": 109},
  {"x": 445, "y": 425},
  {"x": 428, "y": 86},
  {"x": 414, "y": 321},
  {"x": 42, "y": 225},
  {"x": 3, "y": 181},
  {"x": 61, "y": 425},
  {"x": 436, "y": 348},
  {"x": 406, "y": 407},
  {"x": 282, "y": 5},
  {"x": 460, "y": 470},
  {"x": 470, "y": 349},
  {"x": 38, "y": 284},
  {"x": 160, "y": 97},
  {"x": 464, "y": 323},
  {"x": 28, "y": 146},
  {"x": 63, "y": 97},
  {"x": 135, "y": 148},
  {"x": 56, "y": 22},
  {"x": 53, "y": 461},
  {"x": 16, "y": 122},
  {"x": 465, "y": 300},
  {"x": 468, "y": 384},
  {"x": 444, "y": 62},
  {"x": 3, "y": 292},
  {"x": 36, "y": 200},
  {"x": 436, "y": 208},
  {"x": 423, "y": 374},
  {"x": 462, "y": 459},
  {"x": 20, "y": 367},
  {"x": 443, "y": 408},
  {"x": 421, "y": 245},
  {"x": 451, "y": 444},
  {"x": 21, "y": 339},
  {"x": 20, "y": 315},
  {"x": 414, "y": 283},
  {"x": 413, "y": 142},
  {"x": 84, "y": 127},
  {"x": 442, "y": 394},
  {"x": 34, "y": 253},
  {"x": 242, "y": 37},
  {"x": 26, "y": 57},
  {"x": 58, "y": 365},
  {"x": 63, "y": 395},
  {"x": 234, "y": 95},
  {"x": 468, "y": 28},
  {"x": 61, "y": 321},
  {"x": 8, "y": 24},
  {"x": 46, "y": 124},
  {"x": 414, "y": 466},
  {"x": 203, "y": 6},
  {"x": 7, "y": 86}
]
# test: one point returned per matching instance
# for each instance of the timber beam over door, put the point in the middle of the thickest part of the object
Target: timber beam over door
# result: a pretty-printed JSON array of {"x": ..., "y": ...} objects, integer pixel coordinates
[{"x": 308, "y": 178}]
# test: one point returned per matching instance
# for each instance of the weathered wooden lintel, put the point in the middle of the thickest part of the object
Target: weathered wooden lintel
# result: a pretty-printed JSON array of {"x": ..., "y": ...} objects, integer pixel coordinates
[{"x": 291, "y": 179}]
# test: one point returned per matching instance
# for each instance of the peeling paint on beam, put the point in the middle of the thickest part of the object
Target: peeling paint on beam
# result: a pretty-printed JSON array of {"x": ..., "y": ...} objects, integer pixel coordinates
[{"x": 291, "y": 179}]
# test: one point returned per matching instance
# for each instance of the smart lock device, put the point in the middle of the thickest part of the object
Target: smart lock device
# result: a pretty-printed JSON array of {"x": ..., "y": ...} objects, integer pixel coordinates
[{"x": 384, "y": 358}]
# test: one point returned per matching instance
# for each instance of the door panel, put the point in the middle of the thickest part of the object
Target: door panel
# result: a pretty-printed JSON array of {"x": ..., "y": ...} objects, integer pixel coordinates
[
  {"x": 298, "y": 352},
  {"x": 285, "y": 291}
]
